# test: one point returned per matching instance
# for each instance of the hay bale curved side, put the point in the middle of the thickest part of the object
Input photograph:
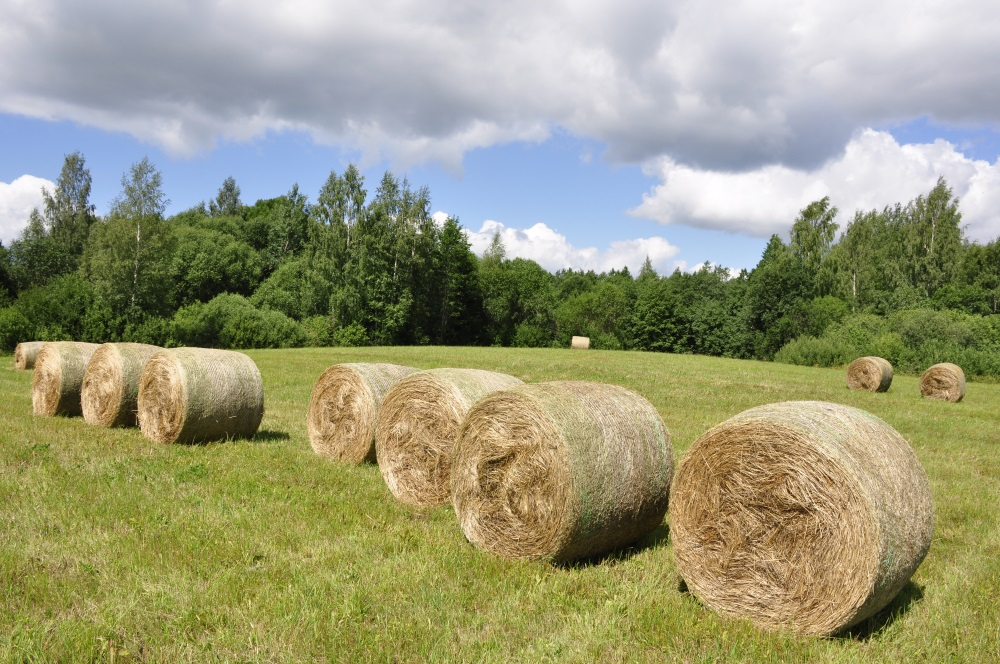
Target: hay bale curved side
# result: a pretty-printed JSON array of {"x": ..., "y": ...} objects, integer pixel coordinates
[
  {"x": 110, "y": 392},
  {"x": 582, "y": 343},
  {"x": 872, "y": 374},
  {"x": 807, "y": 516},
  {"x": 944, "y": 381},
  {"x": 200, "y": 394},
  {"x": 416, "y": 428},
  {"x": 25, "y": 354},
  {"x": 58, "y": 377},
  {"x": 561, "y": 470},
  {"x": 344, "y": 406}
]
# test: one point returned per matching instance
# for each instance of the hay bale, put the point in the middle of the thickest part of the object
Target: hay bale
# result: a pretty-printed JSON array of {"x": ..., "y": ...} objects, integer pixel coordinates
[
  {"x": 944, "y": 381},
  {"x": 110, "y": 393},
  {"x": 561, "y": 470},
  {"x": 58, "y": 377},
  {"x": 199, "y": 394},
  {"x": 580, "y": 342},
  {"x": 416, "y": 428},
  {"x": 344, "y": 407},
  {"x": 807, "y": 516},
  {"x": 25, "y": 354},
  {"x": 873, "y": 374}
]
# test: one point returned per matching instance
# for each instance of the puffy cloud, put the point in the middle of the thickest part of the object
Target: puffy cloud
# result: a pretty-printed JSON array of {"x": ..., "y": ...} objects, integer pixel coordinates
[
  {"x": 17, "y": 199},
  {"x": 553, "y": 251},
  {"x": 873, "y": 171}
]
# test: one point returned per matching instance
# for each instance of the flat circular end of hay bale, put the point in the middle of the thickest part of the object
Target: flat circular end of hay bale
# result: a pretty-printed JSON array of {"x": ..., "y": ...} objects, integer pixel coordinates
[
  {"x": 803, "y": 516},
  {"x": 25, "y": 354},
  {"x": 581, "y": 343},
  {"x": 58, "y": 377},
  {"x": 872, "y": 374},
  {"x": 343, "y": 409},
  {"x": 162, "y": 399},
  {"x": 944, "y": 381}
]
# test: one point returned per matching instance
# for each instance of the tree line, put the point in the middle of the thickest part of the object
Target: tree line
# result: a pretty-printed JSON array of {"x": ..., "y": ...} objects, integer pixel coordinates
[{"x": 374, "y": 268}]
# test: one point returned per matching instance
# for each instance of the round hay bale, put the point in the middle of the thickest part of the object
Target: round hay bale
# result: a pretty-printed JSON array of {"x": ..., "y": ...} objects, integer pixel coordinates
[
  {"x": 872, "y": 374},
  {"x": 25, "y": 354},
  {"x": 58, "y": 377},
  {"x": 416, "y": 428},
  {"x": 561, "y": 470},
  {"x": 110, "y": 393},
  {"x": 198, "y": 394},
  {"x": 807, "y": 516},
  {"x": 343, "y": 409},
  {"x": 944, "y": 381},
  {"x": 582, "y": 343}
]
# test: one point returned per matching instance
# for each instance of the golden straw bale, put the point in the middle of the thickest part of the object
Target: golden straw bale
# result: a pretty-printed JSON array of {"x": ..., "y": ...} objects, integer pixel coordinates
[
  {"x": 25, "y": 354},
  {"x": 873, "y": 374},
  {"x": 58, "y": 377},
  {"x": 944, "y": 381},
  {"x": 416, "y": 428},
  {"x": 580, "y": 342},
  {"x": 561, "y": 470},
  {"x": 110, "y": 392},
  {"x": 806, "y": 516},
  {"x": 344, "y": 407},
  {"x": 199, "y": 394}
]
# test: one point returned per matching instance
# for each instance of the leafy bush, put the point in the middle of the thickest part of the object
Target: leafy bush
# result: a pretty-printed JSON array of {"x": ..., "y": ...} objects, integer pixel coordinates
[
  {"x": 14, "y": 328},
  {"x": 351, "y": 335},
  {"x": 58, "y": 310},
  {"x": 230, "y": 321}
]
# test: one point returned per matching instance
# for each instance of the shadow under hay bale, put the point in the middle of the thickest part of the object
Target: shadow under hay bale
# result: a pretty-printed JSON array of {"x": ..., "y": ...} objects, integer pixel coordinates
[
  {"x": 25, "y": 354},
  {"x": 582, "y": 343},
  {"x": 199, "y": 394},
  {"x": 944, "y": 381},
  {"x": 58, "y": 377},
  {"x": 110, "y": 393},
  {"x": 806, "y": 516},
  {"x": 561, "y": 471},
  {"x": 343, "y": 409},
  {"x": 416, "y": 428},
  {"x": 872, "y": 374}
]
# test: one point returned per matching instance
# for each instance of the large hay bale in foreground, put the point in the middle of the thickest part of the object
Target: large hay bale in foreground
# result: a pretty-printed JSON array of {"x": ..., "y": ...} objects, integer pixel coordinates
[
  {"x": 582, "y": 343},
  {"x": 343, "y": 409},
  {"x": 561, "y": 470},
  {"x": 873, "y": 374},
  {"x": 58, "y": 377},
  {"x": 199, "y": 394},
  {"x": 25, "y": 354},
  {"x": 417, "y": 424},
  {"x": 110, "y": 393},
  {"x": 944, "y": 381},
  {"x": 806, "y": 516}
]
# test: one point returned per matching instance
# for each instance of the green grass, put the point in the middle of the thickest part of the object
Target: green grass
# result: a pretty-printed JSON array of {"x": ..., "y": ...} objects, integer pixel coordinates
[{"x": 113, "y": 547}]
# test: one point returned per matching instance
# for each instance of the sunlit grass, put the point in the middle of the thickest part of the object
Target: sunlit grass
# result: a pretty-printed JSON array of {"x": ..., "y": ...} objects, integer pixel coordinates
[{"x": 115, "y": 547}]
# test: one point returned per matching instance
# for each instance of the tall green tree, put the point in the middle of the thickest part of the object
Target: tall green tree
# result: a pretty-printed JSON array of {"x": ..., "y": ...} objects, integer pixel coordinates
[
  {"x": 460, "y": 318},
  {"x": 67, "y": 210},
  {"x": 36, "y": 256},
  {"x": 227, "y": 202},
  {"x": 933, "y": 241},
  {"x": 812, "y": 237}
]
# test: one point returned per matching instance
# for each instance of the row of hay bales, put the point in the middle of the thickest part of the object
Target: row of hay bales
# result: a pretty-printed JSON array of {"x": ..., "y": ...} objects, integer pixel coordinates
[
  {"x": 808, "y": 516},
  {"x": 173, "y": 395},
  {"x": 944, "y": 381}
]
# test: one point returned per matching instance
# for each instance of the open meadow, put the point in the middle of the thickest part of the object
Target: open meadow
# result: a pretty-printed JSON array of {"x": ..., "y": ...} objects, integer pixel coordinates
[{"x": 117, "y": 548}]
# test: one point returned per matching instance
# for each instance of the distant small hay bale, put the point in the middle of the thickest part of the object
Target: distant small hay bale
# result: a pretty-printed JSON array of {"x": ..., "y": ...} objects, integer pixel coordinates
[
  {"x": 58, "y": 377},
  {"x": 944, "y": 381},
  {"x": 199, "y": 394},
  {"x": 110, "y": 393},
  {"x": 416, "y": 428},
  {"x": 806, "y": 516},
  {"x": 343, "y": 409},
  {"x": 873, "y": 374},
  {"x": 561, "y": 470},
  {"x": 25, "y": 354},
  {"x": 580, "y": 342}
]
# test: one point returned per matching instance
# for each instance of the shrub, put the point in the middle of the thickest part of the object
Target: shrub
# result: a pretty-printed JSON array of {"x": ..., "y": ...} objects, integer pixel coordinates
[{"x": 230, "y": 321}]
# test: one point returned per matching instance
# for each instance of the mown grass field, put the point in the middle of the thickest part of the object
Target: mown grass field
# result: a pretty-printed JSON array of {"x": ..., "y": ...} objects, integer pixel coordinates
[{"x": 115, "y": 548}]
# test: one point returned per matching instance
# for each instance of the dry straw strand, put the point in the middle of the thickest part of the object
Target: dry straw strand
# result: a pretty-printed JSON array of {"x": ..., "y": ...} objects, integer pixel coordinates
[
  {"x": 582, "y": 343},
  {"x": 944, "y": 381},
  {"x": 198, "y": 394},
  {"x": 58, "y": 377},
  {"x": 873, "y": 374},
  {"x": 110, "y": 393},
  {"x": 561, "y": 470},
  {"x": 343, "y": 409},
  {"x": 25, "y": 354},
  {"x": 806, "y": 516},
  {"x": 416, "y": 428}
]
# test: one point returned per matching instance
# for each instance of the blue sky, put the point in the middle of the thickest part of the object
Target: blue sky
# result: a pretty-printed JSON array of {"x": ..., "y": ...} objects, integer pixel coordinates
[{"x": 590, "y": 134}]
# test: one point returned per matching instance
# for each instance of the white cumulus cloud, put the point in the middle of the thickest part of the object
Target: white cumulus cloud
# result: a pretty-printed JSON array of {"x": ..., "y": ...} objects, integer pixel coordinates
[{"x": 17, "y": 199}]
